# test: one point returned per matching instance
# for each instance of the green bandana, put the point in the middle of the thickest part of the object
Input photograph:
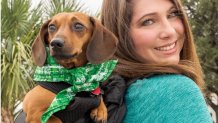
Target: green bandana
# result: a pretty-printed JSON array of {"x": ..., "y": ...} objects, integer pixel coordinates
[{"x": 85, "y": 78}]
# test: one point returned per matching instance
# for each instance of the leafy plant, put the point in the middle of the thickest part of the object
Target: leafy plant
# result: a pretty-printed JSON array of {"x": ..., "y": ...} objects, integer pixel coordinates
[
  {"x": 203, "y": 16},
  {"x": 52, "y": 7},
  {"x": 19, "y": 27}
]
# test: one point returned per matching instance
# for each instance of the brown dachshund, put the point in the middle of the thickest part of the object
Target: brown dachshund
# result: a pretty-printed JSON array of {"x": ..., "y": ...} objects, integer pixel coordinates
[{"x": 73, "y": 39}]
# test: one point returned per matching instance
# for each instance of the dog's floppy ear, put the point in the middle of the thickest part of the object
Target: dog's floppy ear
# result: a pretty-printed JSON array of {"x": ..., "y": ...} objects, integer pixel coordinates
[
  {"x": 38, "y": 47},
  {"x": 102, "y": 45}
]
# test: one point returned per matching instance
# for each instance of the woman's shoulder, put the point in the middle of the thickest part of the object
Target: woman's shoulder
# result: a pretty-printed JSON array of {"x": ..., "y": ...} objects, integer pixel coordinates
[
  {"x": 165, "y": 82},
  {"x": 169, "y": 98},
  {"x": 167, "y": 78},
  {"x": 166, "y": 87},
  {"x": 162, "y": 88}
]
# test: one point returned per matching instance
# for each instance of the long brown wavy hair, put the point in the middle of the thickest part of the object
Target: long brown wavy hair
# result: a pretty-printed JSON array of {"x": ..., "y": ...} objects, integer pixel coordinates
[{"x": 116, "y": 16}]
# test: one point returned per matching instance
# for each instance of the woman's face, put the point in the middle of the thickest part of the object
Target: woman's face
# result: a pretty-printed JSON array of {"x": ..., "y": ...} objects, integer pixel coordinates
[{"x": 157, "y": 31}]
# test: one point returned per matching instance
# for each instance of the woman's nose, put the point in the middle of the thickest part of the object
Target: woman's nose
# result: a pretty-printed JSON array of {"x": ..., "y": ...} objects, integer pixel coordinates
[{"x": 167, "y": 29}]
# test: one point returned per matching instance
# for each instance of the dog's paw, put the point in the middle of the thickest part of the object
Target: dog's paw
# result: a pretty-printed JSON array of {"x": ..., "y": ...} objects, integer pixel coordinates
[{"x": 99, "y": 115}]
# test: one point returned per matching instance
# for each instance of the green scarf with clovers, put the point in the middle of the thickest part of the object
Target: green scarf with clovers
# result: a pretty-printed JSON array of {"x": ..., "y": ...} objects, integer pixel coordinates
[{"x": 86, "y": 78}]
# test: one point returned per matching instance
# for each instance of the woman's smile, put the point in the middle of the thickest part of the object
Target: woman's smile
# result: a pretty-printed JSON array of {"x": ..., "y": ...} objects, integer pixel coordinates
[{"x": 167, "y": 49}]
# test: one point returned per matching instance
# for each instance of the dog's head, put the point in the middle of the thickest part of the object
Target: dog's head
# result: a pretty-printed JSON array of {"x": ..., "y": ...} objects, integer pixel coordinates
[{"x": 74, "y": 39}]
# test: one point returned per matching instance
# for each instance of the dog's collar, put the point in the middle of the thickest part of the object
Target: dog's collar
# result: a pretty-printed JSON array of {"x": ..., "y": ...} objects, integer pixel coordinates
[{"x": 85, "y": 78}]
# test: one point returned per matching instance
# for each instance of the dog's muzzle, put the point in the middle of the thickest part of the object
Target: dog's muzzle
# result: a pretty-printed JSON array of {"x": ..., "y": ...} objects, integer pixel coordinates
[
  {"x": 58, "y": 49},
  {"x": 57, "y": 44}
]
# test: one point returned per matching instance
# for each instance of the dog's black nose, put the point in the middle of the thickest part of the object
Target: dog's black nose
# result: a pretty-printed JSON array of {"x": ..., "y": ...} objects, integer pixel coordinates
[{"x": 57, "y": 43}]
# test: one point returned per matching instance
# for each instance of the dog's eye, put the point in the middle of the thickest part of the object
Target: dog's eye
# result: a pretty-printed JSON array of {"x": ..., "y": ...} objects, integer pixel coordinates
[
  {"x": 52, "y": 28},
  {"x": 78, "y": 27}
]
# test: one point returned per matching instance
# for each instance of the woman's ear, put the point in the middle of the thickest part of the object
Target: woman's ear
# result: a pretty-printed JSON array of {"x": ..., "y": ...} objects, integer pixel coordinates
[
  {"x": 102, "y": 45},
  {"x": 38, "y": 46}
]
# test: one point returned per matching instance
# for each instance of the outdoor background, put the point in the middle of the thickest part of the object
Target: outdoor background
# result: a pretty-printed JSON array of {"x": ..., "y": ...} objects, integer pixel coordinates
[{"x": 21, "y": 21}]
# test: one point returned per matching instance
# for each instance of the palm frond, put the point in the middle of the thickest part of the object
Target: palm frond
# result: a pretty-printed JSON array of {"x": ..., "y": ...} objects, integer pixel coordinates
[
  {"x": 16, "y": 77},
  {"x": 14, "y": 16},
  {"x": 52, "y": 7},
  {"x": 19, "y": 28}
]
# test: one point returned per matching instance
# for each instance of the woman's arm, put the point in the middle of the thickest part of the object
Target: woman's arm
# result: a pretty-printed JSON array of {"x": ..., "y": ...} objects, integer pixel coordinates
[{"x": 166, "y": 99}]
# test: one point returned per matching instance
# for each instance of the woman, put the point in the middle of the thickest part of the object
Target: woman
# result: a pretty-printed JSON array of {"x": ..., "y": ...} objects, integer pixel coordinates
[{"x": 156, "y": 50}]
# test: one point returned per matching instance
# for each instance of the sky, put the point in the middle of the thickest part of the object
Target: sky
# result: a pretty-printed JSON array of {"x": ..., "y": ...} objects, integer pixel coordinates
[{"x": 91, "y": 5}]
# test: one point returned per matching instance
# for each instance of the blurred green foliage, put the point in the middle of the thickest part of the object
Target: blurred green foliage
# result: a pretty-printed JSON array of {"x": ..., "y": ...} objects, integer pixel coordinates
[{"x": 203, "y": 15}]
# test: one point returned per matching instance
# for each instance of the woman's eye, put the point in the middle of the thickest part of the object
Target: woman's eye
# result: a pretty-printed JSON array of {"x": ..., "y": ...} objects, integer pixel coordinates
[
  {"x": 147, "y": 22},
  {"x": 52, "y": 28},
  {"x": 175, "y": 13},
  {"x": 78, "y": 27}
]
